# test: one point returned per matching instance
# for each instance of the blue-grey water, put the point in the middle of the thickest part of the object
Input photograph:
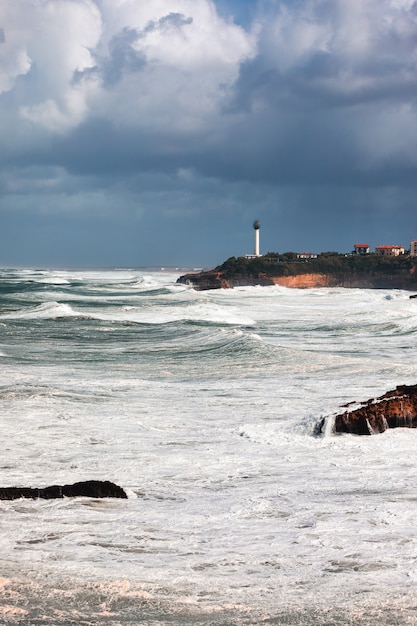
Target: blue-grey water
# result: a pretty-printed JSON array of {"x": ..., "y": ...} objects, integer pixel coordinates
[{"x": 202, "y": 406}]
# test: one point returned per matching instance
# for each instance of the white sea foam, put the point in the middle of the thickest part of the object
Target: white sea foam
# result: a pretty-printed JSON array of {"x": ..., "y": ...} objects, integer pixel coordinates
[
  {"x": 205, "y": 415},
  {"x": 53, "y": 280},
  {"x": 47, "y": 310}
]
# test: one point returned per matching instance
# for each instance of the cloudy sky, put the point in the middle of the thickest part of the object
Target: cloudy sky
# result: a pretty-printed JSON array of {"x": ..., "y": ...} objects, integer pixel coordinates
[{"x": 153, "y": 132}]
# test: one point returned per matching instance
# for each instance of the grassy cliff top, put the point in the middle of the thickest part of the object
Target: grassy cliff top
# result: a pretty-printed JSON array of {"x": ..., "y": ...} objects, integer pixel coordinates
[{"x": 331, "y": 263}]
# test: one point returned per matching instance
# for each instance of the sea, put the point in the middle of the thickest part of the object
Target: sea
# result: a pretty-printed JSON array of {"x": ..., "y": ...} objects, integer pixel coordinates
[{"x": 202, "y": 406}]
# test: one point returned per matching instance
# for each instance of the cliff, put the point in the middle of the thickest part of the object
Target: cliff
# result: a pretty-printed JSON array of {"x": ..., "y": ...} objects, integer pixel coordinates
[
  {"x": 326, "y": 271},
  {"x": 397, "y": 408},
  {"x": 219, "y": 280}
]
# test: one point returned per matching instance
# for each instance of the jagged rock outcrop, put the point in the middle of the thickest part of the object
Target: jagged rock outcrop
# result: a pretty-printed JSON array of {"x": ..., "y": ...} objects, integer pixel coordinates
[
  {"x": 205, "y": 280},
  {"x": 88, "y": 488},
  {"x": 395, "y": 409},
  {"x": 213, "y": 279}
]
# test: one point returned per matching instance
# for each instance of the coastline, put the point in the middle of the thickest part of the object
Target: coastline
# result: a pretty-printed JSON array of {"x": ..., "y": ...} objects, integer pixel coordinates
[
  {"x": 219, "y": 280},
  {"x": 328, "y": 269}
]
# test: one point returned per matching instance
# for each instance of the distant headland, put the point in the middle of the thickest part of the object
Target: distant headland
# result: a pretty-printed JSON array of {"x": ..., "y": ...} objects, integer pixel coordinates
[{"x": 389, "y": 267}]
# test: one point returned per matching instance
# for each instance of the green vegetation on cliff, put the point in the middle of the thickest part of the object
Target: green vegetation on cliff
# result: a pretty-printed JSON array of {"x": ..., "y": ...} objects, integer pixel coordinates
[{"x": 329, "y": 263}]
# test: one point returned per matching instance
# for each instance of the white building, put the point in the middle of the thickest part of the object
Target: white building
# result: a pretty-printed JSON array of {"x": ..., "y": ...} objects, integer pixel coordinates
[
  {"x": 256, "y": 253},
  {"x": 389, "y": 250},
  {"x": 306, "y": 255}
]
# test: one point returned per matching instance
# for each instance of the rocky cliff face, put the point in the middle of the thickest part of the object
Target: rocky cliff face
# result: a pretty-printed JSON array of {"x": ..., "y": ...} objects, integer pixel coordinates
[
  {"x": 216, "y": 280},
  {"x": 304, "y": 281},
  {"x": 205, "y": 280},
  {"x": 397, "y": 408},
  {"x": 213, "y": 279}
]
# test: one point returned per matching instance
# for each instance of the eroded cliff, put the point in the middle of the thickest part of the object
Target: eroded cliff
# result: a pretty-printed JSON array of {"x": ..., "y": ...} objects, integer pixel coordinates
[{"x": 214, "y": 279}]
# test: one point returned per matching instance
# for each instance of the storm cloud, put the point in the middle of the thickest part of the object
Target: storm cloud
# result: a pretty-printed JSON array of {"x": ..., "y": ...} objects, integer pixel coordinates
[{"x": 154, "y": 133}]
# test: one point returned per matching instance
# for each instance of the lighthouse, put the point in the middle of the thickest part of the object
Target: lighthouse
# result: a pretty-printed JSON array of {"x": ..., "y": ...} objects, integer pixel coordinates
[
  {"x": 256, "y": 253},
  {"x": 256, "y": 227}
]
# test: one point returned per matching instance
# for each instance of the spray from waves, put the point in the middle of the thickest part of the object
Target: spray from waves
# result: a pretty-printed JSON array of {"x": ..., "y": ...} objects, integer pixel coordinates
[
  {"x": 323, "y": 426},
  {"x": 278, "y": 433}
]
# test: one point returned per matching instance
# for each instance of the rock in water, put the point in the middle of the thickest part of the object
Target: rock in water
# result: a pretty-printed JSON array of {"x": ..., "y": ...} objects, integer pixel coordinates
[
  {"x": 394, "y": 409},
  {"x": 88, "y": 488}
]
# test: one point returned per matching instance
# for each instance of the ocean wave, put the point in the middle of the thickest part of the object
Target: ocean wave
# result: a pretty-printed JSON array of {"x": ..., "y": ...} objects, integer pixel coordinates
[
  {"x": 149, "y": 314},
  {"x": 47, "y": 310},
  {"x": 53, "y": 280}
]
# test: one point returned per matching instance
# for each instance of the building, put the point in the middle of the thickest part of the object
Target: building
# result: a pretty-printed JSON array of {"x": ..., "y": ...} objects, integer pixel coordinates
[
  {"x": 306, "y": 255},
  {"x": 413, "y": 248},
  {"x": 389, "y": 250},
  {"x": 256, "y": 253},
  {"x": 361, "y": 248}
]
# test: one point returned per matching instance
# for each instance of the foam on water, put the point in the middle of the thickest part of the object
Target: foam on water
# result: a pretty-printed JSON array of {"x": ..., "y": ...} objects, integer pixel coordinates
[
  {"x": 48, "y": 310},
  {"x": 202, "y": 406}
]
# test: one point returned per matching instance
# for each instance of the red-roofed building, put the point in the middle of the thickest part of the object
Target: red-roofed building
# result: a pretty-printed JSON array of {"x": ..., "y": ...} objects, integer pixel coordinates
[
  {"x": 361, "y": 248},
  {"x": 306, "y": 255},
  {"x": 389, "y": 250}
]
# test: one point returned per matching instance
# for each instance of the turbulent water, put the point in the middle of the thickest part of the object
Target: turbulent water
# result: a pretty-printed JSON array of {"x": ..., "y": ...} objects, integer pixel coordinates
[{"x": 202, "y": 406}]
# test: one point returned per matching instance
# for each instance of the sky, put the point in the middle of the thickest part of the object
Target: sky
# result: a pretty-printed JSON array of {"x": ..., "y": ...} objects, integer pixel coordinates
[{"x": 153, "y": 133}]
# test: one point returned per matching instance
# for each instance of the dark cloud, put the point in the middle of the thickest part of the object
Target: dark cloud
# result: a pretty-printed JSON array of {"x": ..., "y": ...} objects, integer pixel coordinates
[
  {"x": 172, "y": 20},
  {"x": 132, "y": 138},
  {"x": 123, "y": 58}
]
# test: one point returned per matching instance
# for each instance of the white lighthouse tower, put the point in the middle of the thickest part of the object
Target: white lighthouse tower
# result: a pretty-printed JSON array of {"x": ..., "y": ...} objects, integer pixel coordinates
[
  {"x": 256, "y": 253},
  {"x": 256, "y": 227}
]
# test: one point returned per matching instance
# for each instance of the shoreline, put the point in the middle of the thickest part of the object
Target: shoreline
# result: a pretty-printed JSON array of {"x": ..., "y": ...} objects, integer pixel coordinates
[{"x": 213, "y": 279}]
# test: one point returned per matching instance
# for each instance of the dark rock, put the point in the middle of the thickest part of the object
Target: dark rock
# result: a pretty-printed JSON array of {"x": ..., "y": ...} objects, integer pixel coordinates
[
  {"x": 205, "y": 280},
  {"x": 395, "y": 409},
  {"x": 88, "y": 488},
  {"x": 214, "y": 279}
]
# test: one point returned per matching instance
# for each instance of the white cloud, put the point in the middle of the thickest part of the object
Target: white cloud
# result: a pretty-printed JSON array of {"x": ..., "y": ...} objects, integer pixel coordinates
[
  {"x": 14, "y": 58},
  {"x": 291, "y": 35},
  {"x": 187, "y": 60},
  {"x": 46, "y": 43},
  {"x": 340, "y": 73},
  {"x": 153, "y": 64},
  {"x": 361, "y": 44}
]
